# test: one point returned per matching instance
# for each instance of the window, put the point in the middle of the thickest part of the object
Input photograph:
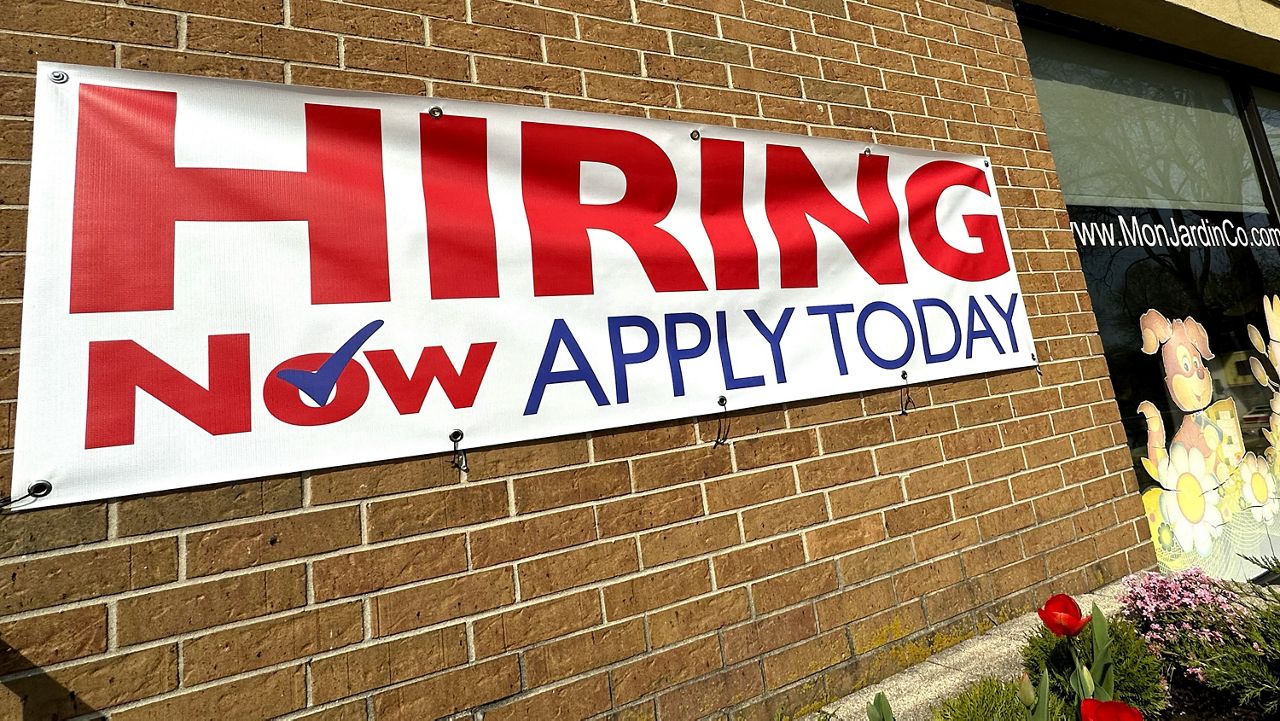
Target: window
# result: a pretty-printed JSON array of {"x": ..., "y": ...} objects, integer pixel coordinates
[{"x": 1169, "y": 207}]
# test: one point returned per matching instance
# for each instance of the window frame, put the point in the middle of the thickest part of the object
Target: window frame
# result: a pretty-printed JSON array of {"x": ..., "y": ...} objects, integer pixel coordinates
[{"x": 1239, "y": 78}]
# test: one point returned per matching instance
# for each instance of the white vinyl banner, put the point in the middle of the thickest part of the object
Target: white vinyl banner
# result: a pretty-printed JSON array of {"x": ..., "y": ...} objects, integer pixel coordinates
[{"x": 229, "y": 279}]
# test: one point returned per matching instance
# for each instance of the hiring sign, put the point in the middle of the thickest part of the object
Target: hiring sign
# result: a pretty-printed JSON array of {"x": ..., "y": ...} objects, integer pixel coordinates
[{"x": 229, "y": 279}]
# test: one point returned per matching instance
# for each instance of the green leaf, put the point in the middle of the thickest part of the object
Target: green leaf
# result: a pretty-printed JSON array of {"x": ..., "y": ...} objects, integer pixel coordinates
[
  {"x": 1042, "y": 698},
  {"x": 1102, "y": 673},
  {"x": 879, "y": 709}
]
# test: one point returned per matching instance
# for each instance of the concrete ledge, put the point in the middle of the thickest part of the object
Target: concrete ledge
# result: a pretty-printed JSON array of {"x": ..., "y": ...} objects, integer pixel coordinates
[{"x": 915, "y": 691}]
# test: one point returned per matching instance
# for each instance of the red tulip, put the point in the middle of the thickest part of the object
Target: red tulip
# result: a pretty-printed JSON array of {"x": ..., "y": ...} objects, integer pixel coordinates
[
  {"x": 1061, "y": 614},
  {"x": 1092, "y": 709}
]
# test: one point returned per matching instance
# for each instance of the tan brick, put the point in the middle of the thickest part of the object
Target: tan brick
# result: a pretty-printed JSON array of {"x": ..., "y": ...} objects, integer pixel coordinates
[
  {"x": 722, "y": 690},
  {"x": 246, "y": 648},
  {"x": 577, "y": 567},
  {"x": 627, "y": 35},
  {"x": 441, "y": 601},
  {"x": 437, "y": 510},
  {"x": 1006, "y": 520},
  {"x": 193, "y": 507},
  {"x": 795, "y": 587},
  {"x": 643, "y": 512},
  {"x": 617, "y": 9},
  {"x": 651, "y": 438},
  {"x": 690, "y": 539},
  {"x": 856, "y": 434},
  {"x": 487, "y": 40},
  {"x": 687, "y": 70},
  {"x": 15, "y": 144},
  {"x": 381, "y": 568},
  {"x": 522, "y": 17},
  {"x": 10, "y": 325},
  {"x": 263, "y": 11},
  {"x": 351, "y": 711},
  {"x": 665, "y": 669},
  {"x": 52, "y": 638},
  {"x": 13, "y": 220},
  {"x": 884, "y": 628},
  {"x": 14, "y": 179},
  {"x": 769, "y": 633},
  {"x": 529, "y": 537},
  {"x": 912, "y": 454},
  {"x": 450, "y": 692},
  {"x": 576, "y": 700},
  {"x": 939, "y": 479},
  {"x": 263, "y": 41},
  {"x": 528, "y": 76},
  {"x": 377, "y": 479},
  {"x": 526, "y": 457},
  {"x": 946, "y": 539},
  {"x": 758, "y": 561},
  {"x": 540, "y": 622},
  {"x": 26, "y": 585},
  {"x": 216, "y": 66},
  {"x": 845, "y": 536},
  {"x": 645, "y": 593},
  {"x": 98, "y": 22},
  {"x": 405, "y": 59},
  {"x": 871, "y": 495},
  {"x": 47, "y": 529},
  {"x": 684, "y": 466},
  {"x": 749, "y": 489},
  {"x": 856, "y": 603},
  {"x": 917, "y": 515},
  {"x": 704, "y": 48},
  {"x": 382, "y": 664},
  {"x": 698, "y": 617},
  {"x": 18, "y": 95},
  {"x": 576, "y": 485},
  {"x": 87, "y": 687},
  {"x": 20, "y": 53},
  {"x": 204, "y": 605},
  {"x": 372, "y": 82},
  {"x": 591, "y": 56},
  {"x": 251, "y": 544},
  {"x": 573, "y": 655},
  {"x": 784, "y": 516},
  {"x": 806, "y": 659},
  {"x": 263, "y": 696},
  {"x": 356, "y": 20},
  {"x": 774, "y": 448}
]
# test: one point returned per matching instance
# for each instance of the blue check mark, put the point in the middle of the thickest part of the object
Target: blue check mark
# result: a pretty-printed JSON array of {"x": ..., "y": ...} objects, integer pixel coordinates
[{"x": 319, "y": 384}]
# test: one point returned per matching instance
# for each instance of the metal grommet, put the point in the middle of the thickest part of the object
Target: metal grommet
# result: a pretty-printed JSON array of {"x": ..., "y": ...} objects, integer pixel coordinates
[
  {"x": 987, "y": 163},
  {"x": 40, "y": 489},
  {"x": 867, "y": 151},
  {"x": 695, "y": 135},
  {"x": 435, "y": 112},
  {"x": 59, "y": 77}
]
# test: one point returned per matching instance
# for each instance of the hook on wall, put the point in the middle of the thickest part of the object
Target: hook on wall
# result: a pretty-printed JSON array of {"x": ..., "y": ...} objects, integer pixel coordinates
[
  {"x": 1039, "y": 370},
  {"x": 904, "y": 395},
  {"x": 722, "y": 423},
  {"x": 37, "y": 489},
  {"x": 459, "y": 455}
]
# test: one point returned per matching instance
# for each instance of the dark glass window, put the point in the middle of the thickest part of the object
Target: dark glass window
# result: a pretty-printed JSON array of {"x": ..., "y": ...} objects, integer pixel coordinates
[{"x": 1179, "y": 255}]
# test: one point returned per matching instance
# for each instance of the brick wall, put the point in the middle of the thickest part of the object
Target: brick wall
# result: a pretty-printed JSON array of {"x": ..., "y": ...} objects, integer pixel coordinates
[{"x": 642, "y": 573}]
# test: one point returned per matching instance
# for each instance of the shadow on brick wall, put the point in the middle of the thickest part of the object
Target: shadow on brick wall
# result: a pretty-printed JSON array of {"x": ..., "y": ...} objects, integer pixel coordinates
[{"x": 36, "y": 696}]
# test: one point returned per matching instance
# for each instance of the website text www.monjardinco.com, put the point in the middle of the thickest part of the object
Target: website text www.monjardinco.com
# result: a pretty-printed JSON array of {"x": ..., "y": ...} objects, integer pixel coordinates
[{"x": 1131, "y": 231}]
